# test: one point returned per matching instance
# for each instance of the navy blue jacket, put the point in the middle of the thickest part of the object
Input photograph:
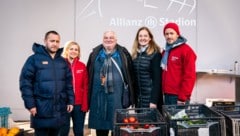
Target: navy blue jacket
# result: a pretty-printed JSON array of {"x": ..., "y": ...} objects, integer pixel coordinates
[{"x": 46, "y": 83}]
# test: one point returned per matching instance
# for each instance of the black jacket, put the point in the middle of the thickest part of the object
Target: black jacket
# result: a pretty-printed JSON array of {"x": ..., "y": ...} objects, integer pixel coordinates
[{"x": 147, "y": 75}]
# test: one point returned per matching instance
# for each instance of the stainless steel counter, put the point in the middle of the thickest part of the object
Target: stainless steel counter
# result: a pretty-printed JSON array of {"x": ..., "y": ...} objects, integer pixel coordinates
[{"x": 220, "y": 72}]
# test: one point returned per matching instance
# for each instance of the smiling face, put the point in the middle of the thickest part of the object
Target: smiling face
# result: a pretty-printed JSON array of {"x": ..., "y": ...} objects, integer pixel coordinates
[
  {"x": 170, "y": 35},
  {"x": 143, "y": 37},
  {"x": 109, "y": 41},
  {"x": 73, "y": 51}
]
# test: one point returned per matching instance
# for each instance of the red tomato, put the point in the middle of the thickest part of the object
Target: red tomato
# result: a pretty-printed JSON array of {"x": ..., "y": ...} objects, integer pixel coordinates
[
  {"x": 146, "y": 126},
  {"x": 132, "y": 119},
  {"x": 136, "y": 124},
  {"x": 125, "y": 120}
]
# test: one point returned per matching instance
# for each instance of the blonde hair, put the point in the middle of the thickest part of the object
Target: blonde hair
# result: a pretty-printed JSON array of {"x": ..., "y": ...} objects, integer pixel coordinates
[
  {"x": 152, "y": 47},
  {"x": 67, "y": 46}
]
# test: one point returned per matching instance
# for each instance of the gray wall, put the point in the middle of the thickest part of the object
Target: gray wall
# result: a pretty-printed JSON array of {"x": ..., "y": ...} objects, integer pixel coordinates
[
  {"x": 22, "y": 23},
  {"x": 218, "y": 33},
  {"x": 127, "y": 16},
  {"x": 213, "y": 36}
]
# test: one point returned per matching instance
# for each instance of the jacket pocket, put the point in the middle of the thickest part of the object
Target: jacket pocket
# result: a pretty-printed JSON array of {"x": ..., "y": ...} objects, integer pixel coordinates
[{"x": 44, "y": 108}]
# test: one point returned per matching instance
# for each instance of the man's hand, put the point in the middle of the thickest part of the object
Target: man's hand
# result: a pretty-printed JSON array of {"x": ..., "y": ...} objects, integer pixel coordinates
[
  {"x": 180, "y": 103},
  {"x": 33, "y": 111},
  {"x": 69, "y": 108},
  {"x": 152, "y": 105}
]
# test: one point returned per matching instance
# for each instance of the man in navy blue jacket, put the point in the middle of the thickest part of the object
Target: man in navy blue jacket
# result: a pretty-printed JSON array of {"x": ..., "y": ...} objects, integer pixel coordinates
[{"x": 46, "y": 87}]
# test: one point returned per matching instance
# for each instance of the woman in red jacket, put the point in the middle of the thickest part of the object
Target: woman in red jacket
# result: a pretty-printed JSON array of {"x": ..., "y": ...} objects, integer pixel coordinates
[{"x": 80, "y": 86}]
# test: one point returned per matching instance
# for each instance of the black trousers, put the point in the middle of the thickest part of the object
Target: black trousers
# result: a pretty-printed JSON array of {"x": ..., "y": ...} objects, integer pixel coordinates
[
  {"x": 47, "y": 132},
  {"x": 102, "y": 132}
]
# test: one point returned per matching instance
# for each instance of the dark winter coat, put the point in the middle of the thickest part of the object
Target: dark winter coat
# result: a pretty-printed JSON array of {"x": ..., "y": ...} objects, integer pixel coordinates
[
  {"x": 46, "y": 83},
  {"x": 148, "y": 73},
  {"x": 103, "y": 105}
]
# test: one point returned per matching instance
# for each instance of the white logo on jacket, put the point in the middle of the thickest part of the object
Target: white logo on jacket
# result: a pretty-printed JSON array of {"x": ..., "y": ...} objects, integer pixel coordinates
[
  {"x": 44, "y": 62},
  {"x": 174, "y": 58},
  {"x": 79, "y": 71}
]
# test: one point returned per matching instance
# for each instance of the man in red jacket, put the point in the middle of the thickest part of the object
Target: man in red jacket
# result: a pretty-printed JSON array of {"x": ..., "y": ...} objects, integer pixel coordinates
[{"x": 179, "y": 70}]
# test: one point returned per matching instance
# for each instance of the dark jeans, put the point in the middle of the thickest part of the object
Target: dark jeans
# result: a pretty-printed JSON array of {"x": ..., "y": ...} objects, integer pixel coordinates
[
  {"x": 47, "y": 132},
  {"x": 78, "y": 118},
  {"x": 170, "y": 99}
]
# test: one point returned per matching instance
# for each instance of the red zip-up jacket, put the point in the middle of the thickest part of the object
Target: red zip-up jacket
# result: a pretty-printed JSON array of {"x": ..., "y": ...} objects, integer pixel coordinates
[
  {"x": 180, "y": 75},
  {"x": 80, "y": 83}
]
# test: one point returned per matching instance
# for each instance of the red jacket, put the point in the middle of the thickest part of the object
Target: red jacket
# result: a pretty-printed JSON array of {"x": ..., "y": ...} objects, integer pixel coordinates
[
  {"x": 180, "y": 76},
  {"x": 80, "y": 83}
]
